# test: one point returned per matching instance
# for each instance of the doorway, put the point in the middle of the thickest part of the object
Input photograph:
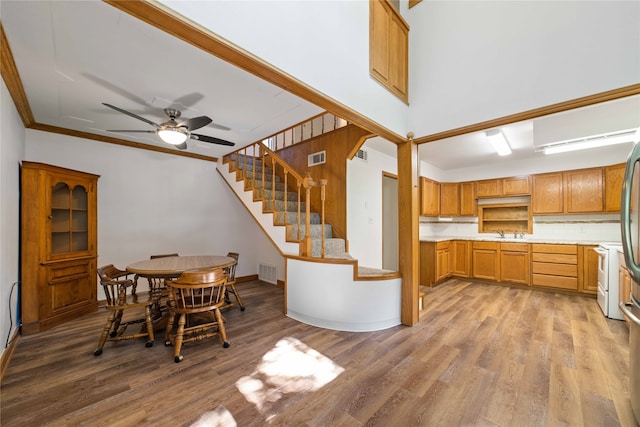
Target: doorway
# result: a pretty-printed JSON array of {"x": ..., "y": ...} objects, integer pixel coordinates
[{"x": 389, "y": 222}]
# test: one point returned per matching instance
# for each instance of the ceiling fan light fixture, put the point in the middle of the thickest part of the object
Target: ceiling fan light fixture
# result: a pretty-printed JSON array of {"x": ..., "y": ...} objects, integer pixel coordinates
[
  {"x": 173, "y": 135},
  {"x": 498, "y": 142}
]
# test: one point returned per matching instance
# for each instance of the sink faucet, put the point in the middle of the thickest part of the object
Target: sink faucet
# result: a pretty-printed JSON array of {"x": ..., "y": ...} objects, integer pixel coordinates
[{"x": 501, "y": 234}]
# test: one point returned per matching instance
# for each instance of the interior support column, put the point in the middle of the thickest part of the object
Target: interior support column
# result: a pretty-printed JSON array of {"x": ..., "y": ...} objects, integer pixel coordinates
[{"x": 409, "y": 232}]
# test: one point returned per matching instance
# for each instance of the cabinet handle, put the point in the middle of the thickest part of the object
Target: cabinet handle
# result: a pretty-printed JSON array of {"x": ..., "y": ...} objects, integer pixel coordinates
[{"x": 50, "y": 217}]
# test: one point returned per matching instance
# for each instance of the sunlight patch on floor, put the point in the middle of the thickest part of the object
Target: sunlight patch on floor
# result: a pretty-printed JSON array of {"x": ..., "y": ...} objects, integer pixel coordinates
[
  {"x": 219, "y": 417},
  {"x": 290, "y": 367}
]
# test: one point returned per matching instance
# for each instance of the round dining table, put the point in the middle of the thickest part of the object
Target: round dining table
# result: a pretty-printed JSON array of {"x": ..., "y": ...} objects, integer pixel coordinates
[{"x": 174, "y": 266}]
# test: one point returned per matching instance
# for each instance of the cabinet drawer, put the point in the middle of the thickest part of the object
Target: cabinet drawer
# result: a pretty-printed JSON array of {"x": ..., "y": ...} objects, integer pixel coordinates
[
  {"x": 555, "y": 281},
  {"x": 443, "y": 245},
  {"x": 555, "y": 258},
  {"x": 554, "y": 249},
  {"x": 515, "y": 247},
  {"x": 486, "y": 245},
  {"x": 64, "y": 272},
  {"x": 567, "y": 270}
]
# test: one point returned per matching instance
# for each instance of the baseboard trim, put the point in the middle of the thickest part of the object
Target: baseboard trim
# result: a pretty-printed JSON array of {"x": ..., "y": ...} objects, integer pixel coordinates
[
  {"x": 8, "y": 353},
  {"x": 247, "y": 278}
]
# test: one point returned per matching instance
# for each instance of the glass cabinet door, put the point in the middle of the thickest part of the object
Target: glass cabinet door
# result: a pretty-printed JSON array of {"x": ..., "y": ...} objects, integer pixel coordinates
[{"x": 69, "y": 219}]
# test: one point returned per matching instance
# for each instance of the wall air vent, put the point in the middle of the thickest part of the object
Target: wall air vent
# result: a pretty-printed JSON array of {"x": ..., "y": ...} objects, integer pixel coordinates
[
  {"x": 361, "y": 154},
  {"x": 268, "y": 273},
  {"x": 317, "y": 158}
]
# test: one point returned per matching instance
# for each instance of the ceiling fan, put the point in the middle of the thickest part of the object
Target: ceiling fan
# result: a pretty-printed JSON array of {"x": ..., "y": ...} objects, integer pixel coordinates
[{"x": 174, "y": 131}]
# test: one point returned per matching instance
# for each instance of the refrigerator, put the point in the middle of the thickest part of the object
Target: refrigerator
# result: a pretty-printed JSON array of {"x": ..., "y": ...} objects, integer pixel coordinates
[{"x": 629, "y": 221}]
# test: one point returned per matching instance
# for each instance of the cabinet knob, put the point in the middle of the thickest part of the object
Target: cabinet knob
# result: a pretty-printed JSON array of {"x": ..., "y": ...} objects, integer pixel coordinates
[{"x": 50, "y": 217}]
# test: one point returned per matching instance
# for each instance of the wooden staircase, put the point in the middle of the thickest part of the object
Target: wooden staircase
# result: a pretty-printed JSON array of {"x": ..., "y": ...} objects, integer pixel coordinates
[{"x": 284, "y": 193}]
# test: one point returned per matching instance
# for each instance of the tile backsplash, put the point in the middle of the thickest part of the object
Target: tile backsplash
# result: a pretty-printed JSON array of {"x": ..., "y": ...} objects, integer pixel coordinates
[{"x": 598, "y": 227}]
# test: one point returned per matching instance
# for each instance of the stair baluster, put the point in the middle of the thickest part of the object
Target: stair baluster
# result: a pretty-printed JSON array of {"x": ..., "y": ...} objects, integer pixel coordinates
[
  {"x": 253, "y": 173},
  {"x": 299, "y": 186},
  {"x": 323, "y": 185},
  {"x": 273, "y": 185},
  {"x": 286, "y": 200}
]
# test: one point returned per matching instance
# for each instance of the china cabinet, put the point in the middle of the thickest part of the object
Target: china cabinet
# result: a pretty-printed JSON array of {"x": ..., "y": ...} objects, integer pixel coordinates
[{"x": 58, "y": 245}]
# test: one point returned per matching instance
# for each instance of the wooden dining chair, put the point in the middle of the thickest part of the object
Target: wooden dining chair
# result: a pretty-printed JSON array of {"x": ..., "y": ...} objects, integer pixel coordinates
[
  {"x": 158, "y": 287},
  {"x": 120, "y": 298},
  {"x": 196, "y": 296},
  {"x": 231, "y": 284},
  {"x": 162, "y": 256}
]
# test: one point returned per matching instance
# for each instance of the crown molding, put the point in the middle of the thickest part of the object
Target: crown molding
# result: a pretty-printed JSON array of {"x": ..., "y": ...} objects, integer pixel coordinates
[
  {"x": 118, "y": 141},
  {"x": 11, "y": 78}
]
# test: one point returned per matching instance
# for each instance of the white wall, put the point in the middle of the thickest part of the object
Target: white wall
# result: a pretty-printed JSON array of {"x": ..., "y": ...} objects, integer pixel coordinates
[
  {"x": 364, "y": 204},
  {"x": 12, "y": 148},
  {"x": 471, "y": 61},
  {"x": 324, "y": 44},
  {"x": 152, "y": 202}
]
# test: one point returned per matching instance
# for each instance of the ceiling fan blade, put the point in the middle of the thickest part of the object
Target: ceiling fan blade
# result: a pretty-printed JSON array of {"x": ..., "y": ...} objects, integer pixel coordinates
[
  {"x": 217, "y": 126},
  {"x": 135, "y": 116},
  {"x": 182, "y": 146},
  {"x": 132, "y": 131},
  {"x": 210, "y": 139},
  {"x": 196, "y": 122}
]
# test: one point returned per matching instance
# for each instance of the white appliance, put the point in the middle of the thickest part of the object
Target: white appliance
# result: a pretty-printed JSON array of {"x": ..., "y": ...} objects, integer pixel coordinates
[
  {"x": 629, "y": 220},
  {"x": 608, "y": 286}
]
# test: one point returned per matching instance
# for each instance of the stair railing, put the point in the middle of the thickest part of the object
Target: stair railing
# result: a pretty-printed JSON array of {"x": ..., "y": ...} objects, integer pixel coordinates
[
  {"x": 317, "y": 125},
  {"x": 240, "y": 160}
]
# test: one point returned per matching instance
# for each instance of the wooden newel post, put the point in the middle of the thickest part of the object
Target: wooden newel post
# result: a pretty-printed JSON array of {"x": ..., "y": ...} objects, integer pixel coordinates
[{"x": 306, "y": 243}]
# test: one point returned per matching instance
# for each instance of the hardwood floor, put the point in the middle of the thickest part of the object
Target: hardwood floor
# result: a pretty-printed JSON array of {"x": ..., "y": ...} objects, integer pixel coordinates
[{"x": 481, "y": 355}]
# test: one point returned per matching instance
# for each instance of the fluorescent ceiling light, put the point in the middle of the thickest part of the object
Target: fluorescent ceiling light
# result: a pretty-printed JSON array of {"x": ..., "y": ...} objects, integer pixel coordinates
[
  {"x": 173, "y": 135},
  {"x": 498, "y": 141},
  {"x": 603, "y": 140}
]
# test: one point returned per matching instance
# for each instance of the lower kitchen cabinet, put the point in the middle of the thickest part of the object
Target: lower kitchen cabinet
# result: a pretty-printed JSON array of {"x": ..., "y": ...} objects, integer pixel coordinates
[
  {"x": 624, "y": 282},
  {"x": 554, "y": 266},
  {"x": 435, "y": 262},
  {"x": 589, "y": 279},
  {"x": 461, "y": 258},
  {"x": 514, "y": 263},
  {"x": 443, "y": 261},
  {"x": 486, "y": 261}
]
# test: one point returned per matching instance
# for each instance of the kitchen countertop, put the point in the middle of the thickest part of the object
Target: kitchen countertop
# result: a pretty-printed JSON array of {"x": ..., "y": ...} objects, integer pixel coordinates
[{"x": 526, "y": 239}]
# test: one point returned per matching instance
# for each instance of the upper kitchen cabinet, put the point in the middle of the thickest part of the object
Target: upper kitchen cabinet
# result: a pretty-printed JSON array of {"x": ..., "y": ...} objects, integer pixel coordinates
[
  {"x": 59, "y": 245},
  {"x": 389, "y": 48},
  {"x": 516, "y": 186},
  {"x": 570, "y": 192},
  {"x": 613, "y": 176},
  {"x": 489, "y": 188},
  {"x": 548, "y": 195},
  {"x": 468, "y": 205},
  {"x": 458, "y": 199},
  {"x": 584, "y": 191},
  {"x": 430, "y": 197},
  {"x": 450, "y": 199},
  {"x": 503, "y": 187}
]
